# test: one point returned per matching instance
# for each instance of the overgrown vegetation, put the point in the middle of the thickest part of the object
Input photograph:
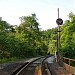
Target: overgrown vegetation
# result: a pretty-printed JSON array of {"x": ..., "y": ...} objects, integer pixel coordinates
[
  {"x": 21, "y": 41},
  {"x": 27, "y": 40}
]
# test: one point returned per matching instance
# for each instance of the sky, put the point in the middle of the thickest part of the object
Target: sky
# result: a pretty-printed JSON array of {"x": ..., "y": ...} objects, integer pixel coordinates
[{"x": 46, "y": 11}]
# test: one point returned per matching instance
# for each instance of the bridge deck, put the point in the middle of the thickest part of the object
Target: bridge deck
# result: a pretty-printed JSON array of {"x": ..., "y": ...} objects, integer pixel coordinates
[{"x": 57, "y": 70}]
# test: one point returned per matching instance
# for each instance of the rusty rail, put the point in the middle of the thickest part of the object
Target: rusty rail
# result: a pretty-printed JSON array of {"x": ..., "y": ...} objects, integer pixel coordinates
[
  {"x": 68, "y": 65},
  {"x": 19, "y": 70}
]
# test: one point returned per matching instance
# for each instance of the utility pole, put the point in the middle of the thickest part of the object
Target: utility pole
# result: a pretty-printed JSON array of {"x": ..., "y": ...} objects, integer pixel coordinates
[
  {"x": 59, "y": 22},
  {"x": 58, "y": 33}
]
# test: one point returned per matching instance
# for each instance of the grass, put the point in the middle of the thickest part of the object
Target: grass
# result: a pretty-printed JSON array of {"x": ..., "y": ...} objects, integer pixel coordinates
[{"x": 12, "y": 59}]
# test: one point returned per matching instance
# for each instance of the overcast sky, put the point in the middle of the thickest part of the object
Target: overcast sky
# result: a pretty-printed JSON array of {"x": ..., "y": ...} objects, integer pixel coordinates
[{"x": 46, "y": 10}]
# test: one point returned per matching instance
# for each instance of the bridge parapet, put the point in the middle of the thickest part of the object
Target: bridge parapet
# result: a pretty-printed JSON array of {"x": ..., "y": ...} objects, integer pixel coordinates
[{"x": 69, "y": 65}]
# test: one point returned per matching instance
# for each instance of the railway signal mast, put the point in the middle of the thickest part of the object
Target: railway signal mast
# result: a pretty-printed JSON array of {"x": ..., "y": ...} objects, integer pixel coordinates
[{"x": 59, "y": 22}]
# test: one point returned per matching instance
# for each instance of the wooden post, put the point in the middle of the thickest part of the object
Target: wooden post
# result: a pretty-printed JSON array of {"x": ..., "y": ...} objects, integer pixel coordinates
[{"x": 69, "y": 64}]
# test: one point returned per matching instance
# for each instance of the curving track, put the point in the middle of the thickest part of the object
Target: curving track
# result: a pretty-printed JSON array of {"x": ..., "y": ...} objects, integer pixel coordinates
[{"x": 33, "y": 68}]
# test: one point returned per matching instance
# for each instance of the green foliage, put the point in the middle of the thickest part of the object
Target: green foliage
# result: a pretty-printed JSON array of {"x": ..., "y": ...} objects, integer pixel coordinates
[
  {"x": 52, "y": 47},
  {"x": 26, "y": 40},
  {"x": 68, "y": 37},
  {"x": 3, "y": 25},
  {"x": 21, "y": 41}
]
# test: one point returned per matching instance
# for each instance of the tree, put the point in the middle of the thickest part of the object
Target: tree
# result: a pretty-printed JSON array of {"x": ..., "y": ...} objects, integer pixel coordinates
[
  {"x": 52, "y": 47},
  {"x": 67, "y": 37},
  {"x": 4, "y": 26}
]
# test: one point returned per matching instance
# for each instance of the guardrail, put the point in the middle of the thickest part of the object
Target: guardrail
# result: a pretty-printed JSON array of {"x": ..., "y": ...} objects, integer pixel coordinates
[{"x": 69, "y": 64}]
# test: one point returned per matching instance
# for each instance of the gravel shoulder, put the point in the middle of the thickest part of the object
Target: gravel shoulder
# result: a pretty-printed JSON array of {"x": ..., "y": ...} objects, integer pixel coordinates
[{"x": 8, "y": 68}]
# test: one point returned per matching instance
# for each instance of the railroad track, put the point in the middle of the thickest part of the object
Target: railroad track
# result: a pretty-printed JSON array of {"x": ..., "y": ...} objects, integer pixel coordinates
[
  {"x": 33, "y": 68},
  {"x": 45, "y": 69}
]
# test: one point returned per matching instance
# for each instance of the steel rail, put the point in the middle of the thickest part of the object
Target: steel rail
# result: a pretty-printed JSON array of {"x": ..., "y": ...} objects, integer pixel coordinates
[
  {"x": 19, "y": 70},
  {"x": 45, "y": 70}
]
